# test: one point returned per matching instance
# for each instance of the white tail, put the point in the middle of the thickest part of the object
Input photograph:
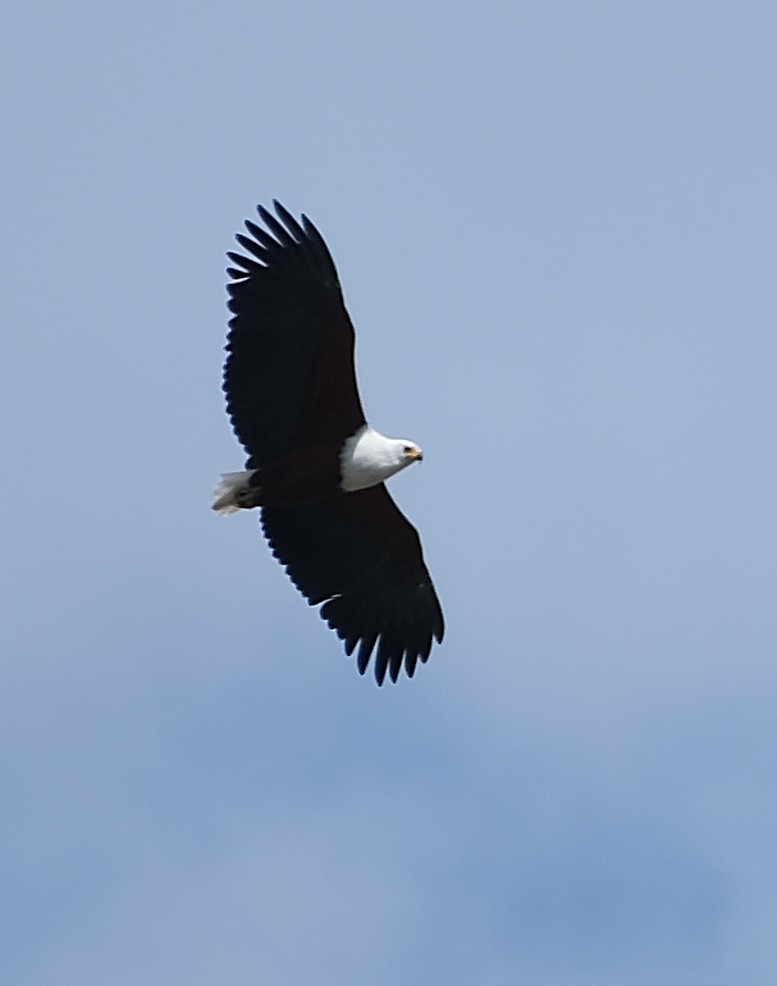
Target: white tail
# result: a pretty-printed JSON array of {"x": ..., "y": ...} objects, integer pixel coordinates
[{"x": 231, "y": 484}]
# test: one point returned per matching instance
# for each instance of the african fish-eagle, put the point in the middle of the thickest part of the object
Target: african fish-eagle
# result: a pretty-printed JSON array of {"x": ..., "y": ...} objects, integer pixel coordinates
[{"x": 315, "y": 468}]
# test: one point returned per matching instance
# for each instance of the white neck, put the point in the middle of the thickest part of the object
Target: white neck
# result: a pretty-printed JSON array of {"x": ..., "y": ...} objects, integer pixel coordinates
[{"x": 368, "y": 458}]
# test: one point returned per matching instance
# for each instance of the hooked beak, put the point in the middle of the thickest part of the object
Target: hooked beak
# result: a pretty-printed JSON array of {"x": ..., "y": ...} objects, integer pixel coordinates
[{"x": 415, "y": 454}]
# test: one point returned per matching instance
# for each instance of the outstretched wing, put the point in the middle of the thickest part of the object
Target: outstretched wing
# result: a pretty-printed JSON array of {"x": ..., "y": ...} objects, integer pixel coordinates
[
  {"x": 289, "y": 377},
  {"x": 361, "y": 557}
]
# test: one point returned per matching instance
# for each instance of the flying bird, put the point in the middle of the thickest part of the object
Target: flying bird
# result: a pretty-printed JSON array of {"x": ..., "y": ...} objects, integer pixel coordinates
[{"x": 315, "y": 468}]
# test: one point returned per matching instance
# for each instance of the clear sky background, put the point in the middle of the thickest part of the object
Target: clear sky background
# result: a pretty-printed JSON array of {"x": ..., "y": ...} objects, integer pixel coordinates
[{"x": 555, "y": 224}]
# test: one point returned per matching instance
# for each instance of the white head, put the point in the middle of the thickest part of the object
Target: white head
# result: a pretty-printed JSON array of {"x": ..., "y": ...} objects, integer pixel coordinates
[
  {"x": 404, "y": 452},
  {"x": 369, "y": 458}
]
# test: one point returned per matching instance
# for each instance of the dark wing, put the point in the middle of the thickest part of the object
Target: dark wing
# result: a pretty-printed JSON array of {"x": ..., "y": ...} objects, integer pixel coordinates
[
  {"x": 289, "y": 377},
  {"x": 360, "y": 556}
]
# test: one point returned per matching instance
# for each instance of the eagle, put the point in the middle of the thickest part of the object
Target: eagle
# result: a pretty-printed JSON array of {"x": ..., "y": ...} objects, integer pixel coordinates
[{"x": 315, "y": 469}]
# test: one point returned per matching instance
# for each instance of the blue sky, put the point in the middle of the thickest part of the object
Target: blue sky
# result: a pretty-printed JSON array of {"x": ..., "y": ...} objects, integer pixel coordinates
[{"x": 555, "y": 226}]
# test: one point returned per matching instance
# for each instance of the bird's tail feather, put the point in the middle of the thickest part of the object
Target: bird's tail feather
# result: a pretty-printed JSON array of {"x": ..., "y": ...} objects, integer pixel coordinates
[{"x": 230, "y": 494}]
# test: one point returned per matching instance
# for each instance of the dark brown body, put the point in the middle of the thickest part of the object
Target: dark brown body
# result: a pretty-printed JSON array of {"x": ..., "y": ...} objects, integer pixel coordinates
[{"x": 299, "y": 476}]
